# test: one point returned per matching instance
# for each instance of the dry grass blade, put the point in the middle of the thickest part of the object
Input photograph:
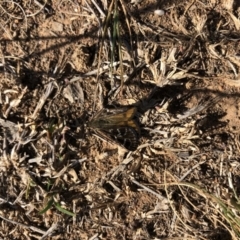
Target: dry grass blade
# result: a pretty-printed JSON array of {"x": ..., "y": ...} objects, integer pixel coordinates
[
  {"x": 35, "y": 229},
  {"x": 48, "y": 90},
  {"x": 117, "y": 42},
  {"x": 14, "y": 103},
  {"x": 173, "y": 63},
  {"x": 226, "y": 210},
  {"x": 199, "y": 108}
]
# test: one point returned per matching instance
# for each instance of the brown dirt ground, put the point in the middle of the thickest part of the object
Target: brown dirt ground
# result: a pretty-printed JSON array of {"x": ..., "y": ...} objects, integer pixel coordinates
[{"x": 180, "y": 70}]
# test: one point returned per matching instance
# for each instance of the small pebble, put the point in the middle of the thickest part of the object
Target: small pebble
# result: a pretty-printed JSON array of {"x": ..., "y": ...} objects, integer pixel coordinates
[
  {"x": 57, "y": 27},
  {"x": 159, "y": 12}
]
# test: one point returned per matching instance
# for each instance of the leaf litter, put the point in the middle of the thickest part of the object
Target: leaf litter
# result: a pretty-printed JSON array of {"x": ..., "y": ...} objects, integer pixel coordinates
[{"x": 176, "y": 63}]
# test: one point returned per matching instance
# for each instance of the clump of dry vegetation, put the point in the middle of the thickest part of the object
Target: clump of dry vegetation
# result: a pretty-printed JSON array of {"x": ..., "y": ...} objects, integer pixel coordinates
[{"x": 176, "y": 62}]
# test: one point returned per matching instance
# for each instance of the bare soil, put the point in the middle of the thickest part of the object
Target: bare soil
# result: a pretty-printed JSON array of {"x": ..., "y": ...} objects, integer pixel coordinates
[{"x": 177, "y": 62}]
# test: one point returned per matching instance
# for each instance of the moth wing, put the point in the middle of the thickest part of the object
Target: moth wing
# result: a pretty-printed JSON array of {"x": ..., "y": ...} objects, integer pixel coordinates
[
  {"x": 129, "y": 138},
  {"x": 116, "y": 113},
  {"x": 126, "y": 137},
  {"x": 127, "y": 114}
]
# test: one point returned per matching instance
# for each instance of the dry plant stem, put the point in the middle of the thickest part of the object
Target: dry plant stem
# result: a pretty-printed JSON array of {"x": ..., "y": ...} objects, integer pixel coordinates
[
  {"x": 105, "y": 24},
  {"x": 226, "y": 212},
  {"x": 199, "y": 108},
  {"x": 127, "y": 19},
  {"x": 171, "y": 205},
  {"x": 91, "y": 10},
  {"x": 9, "y": 35},
  {"x": 49, "y": 231},
  {"x": 43, "y": 99},
  {"x": 24, "y": 226},
  {"x": 12, "y": 16},
  {"x": 39, "y": 4},
  {"x": 42, "y": 6},
  {"x": 94, "y": 72},
  {"x": 148, "y": 189},
  {"x": 117, "y": 43},
  {"x": 98, "y": 8},
  {"x": 5, "y": 147},
  {"x": 116, "y": 170},
  {"x": 95, "y": 236},
  {"x": 190, "y": 170},
  {"x": 14, "y": 103}
]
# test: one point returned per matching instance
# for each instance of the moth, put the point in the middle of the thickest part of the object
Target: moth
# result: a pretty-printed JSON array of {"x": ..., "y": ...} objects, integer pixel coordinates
[{"x": 117, "y": 126}]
